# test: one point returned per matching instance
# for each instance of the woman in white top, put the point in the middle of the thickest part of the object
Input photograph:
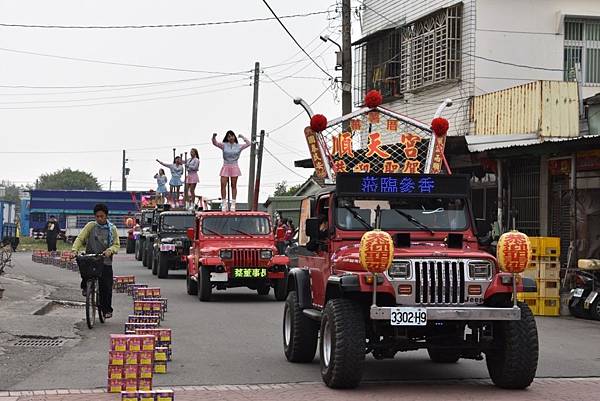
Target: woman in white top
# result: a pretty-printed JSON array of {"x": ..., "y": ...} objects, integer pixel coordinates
[
  {"x": 192, "y": 179},
  {"x": 230, "y": 170}
]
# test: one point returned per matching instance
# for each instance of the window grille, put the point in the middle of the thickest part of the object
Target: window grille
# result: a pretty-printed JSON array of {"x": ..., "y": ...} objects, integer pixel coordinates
[{"x": 582, "y": 47}]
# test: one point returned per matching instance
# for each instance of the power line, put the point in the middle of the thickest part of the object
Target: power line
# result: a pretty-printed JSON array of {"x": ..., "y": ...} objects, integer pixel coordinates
[
  {"x": 279, "y": 86},
  {"x": 297, "y": 115},
  {"x": 377, "y": 12},
  {"x": 124, "y": 101},
  {"x": 280, "y": 162},
  {"x": 531, "y": 67},
  {"x": 295, "y": 41},
  {"x": 87, "y": 60},
  {"x": 182, "y": 25}
]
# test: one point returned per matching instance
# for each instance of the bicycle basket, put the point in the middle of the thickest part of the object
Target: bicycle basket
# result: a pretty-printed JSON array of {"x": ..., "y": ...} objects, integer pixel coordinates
[{"x": 90, "y": 266}]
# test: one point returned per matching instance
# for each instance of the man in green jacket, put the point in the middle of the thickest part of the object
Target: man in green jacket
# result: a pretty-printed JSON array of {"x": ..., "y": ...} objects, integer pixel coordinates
[{"x": 100, "y": 236}]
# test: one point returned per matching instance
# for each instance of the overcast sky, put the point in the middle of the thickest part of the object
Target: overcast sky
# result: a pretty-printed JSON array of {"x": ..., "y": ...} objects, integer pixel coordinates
[{"x": 95, "y": 119}]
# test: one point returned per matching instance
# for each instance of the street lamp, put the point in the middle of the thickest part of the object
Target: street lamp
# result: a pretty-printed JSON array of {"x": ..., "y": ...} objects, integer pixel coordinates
[{"x": 338, "y": 54}]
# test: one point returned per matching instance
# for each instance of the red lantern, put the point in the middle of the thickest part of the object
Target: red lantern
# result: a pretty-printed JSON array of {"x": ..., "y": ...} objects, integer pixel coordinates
[
  {"x": 376, "y": 251},
  {"x": 373, "y": 99},
  {"x": 439, "y": 126},
  {"x": 514, "y": 251},
  {"x": 318, "y": 122}
]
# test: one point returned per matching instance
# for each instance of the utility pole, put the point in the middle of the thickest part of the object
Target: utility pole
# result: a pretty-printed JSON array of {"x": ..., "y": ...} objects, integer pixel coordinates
[
  {"x": 258, "y": 170},
  {"x": 253, "y": 135},
  {"x": 346, "y": 58},
  {"x": 123, "y": 175}
]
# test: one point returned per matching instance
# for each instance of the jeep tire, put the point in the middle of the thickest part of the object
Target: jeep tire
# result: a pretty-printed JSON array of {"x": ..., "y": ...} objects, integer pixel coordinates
[
  {"x": 191, "y": 285},
  {"x": 138, "y": 250},
  {"x": 300, "y": 333},
  {"x": 595, "y": 308},
  {"x": 154, "y": 263},
  {"x": 342, "y": 346},
  {"x": 204, "y": 284},
  {"x": 144, "y": 256},
  {"x": 129, "y": 246},
  {"x": 512, "y": 361},
  {"x": 280, "y": 289},
  {"x": 163, "y": 265}
]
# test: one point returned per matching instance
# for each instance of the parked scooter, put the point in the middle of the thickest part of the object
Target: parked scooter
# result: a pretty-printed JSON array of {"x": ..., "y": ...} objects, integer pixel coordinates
[{"x": 584, "y": 301}]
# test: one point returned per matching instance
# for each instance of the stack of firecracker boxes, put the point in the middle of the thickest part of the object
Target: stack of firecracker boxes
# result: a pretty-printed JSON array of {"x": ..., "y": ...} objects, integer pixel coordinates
[
  {"x": 62, "y": 259},
  {"x": 145, "y": 347},
  {"x": 544, "y": 268}
]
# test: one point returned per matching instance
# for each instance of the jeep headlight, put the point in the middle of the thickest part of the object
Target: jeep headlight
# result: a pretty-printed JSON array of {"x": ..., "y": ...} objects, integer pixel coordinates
[
  {"x": 399, "y": 269},
  {"x": 166, "y": 240},
  {"x": 266, "y": 254},
  {"x": 226, "y": 254},
  {"x": 179, "y": 243},
  {"x": 480, "y": 270}
]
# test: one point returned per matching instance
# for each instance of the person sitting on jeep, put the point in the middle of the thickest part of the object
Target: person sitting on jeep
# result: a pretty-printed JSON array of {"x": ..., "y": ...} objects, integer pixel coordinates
[
  {"x": 100, "y": 236},
  {"x": 313, "y": 244}
]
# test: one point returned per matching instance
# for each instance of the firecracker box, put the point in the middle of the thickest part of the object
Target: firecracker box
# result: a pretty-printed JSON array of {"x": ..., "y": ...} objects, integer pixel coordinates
[
  {"x": 160, "y": 367},
  {"x": 129, "y": 396},
  {"x": 130, "y": 371},
  {"x": 115, "y": 385},
  {"x": 115, "y": 372},
  {"x": 147, "y": 292},
  {"x": 116, "y": 358},
  {"x": 144, "y": 384},
  {"x": 130, "y": 385},
  {"x": 148, "y": 342},
  {"x": 146, "y": 357},
  {"x": 130, "y": 328},
  {"x": 146, "y": 396},
  {"x": 118, "y": 342},
  {"x": 161, "y": 354},
  {"x": 130, "y": 288},
  {"x": 144, "y": 319},
  {"x": 146, "y": 371},
  {"x": 131, "y": 358},
  {"x": 165, "y": 395}
]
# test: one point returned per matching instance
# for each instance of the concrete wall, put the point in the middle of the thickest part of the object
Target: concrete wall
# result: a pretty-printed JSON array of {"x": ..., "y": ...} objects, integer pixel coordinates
[
  {"x": 529, "y": 32},
  {"x": 422, "y": 105}
]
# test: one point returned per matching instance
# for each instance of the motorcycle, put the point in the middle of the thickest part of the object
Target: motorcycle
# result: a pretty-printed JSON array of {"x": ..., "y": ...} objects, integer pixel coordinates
[{"x": 584, "y": 301}]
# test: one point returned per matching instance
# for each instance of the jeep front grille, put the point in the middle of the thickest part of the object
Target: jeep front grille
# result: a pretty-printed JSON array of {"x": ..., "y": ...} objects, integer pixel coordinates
[
  {"x": 439, "y": 282},
  {"x": 248, "y": 258}
]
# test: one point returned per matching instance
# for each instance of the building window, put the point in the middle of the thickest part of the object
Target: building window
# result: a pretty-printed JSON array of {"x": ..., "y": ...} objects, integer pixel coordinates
[
  {"x": 415, "y": 56},
  {"x": 431, "y": 50},
  {"x": 377, "y": 66},
  {"x": 582, "y": 48}
]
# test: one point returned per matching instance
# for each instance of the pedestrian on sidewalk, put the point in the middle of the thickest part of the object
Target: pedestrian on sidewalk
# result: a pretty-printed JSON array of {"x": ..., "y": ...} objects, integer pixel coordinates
[
  {"x": 52, "y": 231},
  {"x": 230, "y": 170},
  {"x": 100, "y": 236},
  {"x": 161, "y": 186},
  {"x": 175, "y": 183},
  {"x": 192, "y": 179}
]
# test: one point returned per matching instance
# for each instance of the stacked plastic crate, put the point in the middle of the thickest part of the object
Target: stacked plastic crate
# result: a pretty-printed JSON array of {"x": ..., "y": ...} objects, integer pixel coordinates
[{"x": 545, "y": 270}]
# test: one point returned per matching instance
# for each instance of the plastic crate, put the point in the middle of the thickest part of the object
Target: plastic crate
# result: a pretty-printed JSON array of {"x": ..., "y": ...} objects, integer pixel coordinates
[
  {"x": 549, "y": 306},
  {"x": 531, "y": 273},
  {"x": 549, "y": 271},
  {"x": 535, "y": 245},
  {"x": 533, "y": 302},
  {"x": 550, "y": 246},
  {"x": 548, "y": 288}
]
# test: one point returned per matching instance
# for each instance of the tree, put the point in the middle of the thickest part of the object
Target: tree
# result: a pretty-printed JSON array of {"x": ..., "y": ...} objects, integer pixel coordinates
[
  {"x": 11, "y": 191},
  {"x": 68, "y": 179},
  {"x": 281, "y": 189}
]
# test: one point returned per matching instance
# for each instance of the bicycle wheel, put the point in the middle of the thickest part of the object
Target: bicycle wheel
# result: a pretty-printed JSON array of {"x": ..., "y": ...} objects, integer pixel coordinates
[
  {"x": 90, "y": 303},
  {"x": 100, "y": 313}
]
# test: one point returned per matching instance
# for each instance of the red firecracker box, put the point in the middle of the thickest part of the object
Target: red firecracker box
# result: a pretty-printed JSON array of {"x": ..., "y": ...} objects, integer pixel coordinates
[
  {"x": 129, "y": 396},
  {"x": 144, "y": 384},
  {"x": 115, "y": 372},
  {"x": 130, "y": 385},
  {"x": 115, "y": 385},
  {"x": 131, "y": 358},
  {"x": 118, "y": 342},
  {"x": 134, "y": 343},
  {"x": 165, "y": 395},
  {"x": 146, "y": 357},
  {"x": 146, "y": 396},
  {"x": 146, "y": 371},
  {"x": 130, "y": 371},
  {"x": 116, "y": 358}
]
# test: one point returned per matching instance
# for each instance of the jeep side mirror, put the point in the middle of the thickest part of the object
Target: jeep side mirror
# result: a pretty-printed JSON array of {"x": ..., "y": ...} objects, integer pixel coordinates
[
  {"x": 312, "y": 228},
  {"x": 190, "y": 233}
]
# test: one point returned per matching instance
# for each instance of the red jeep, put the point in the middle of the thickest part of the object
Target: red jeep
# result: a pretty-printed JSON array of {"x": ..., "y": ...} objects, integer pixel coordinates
[
  {"x": 442, "y": 292},
  {"x": 235, "y": 249}
]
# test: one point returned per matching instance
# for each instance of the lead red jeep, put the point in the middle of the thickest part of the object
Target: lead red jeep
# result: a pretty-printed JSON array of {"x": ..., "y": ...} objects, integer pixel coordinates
[
  {"x": 442, "y": 292},
  {"x": 235, "y": 249}
]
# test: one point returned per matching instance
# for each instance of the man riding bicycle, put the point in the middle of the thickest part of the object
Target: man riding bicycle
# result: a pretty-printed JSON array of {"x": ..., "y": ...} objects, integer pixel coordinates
[{"x": 97, "y": 237}]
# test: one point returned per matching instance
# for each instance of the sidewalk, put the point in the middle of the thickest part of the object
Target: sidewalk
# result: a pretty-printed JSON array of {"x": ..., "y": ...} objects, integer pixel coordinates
[{"x": 542, "y": 389}]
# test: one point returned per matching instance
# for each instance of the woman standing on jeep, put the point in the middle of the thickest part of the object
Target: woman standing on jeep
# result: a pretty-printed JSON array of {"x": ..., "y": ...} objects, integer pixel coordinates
[
  {"x": 230, "y": 170},
  {"x": 175, "y": 182},
  {"x": 192, "y": 165}
]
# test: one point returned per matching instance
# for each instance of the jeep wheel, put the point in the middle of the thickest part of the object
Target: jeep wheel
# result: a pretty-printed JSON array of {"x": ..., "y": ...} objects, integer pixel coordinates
[
  {"x": 163, "y": 265},
  {"x": 300, "y": 334},
  {"x": 577, "y": 309},
  {"x": 342, "y": 346},
  {"x": 191, "y": 285},
  {"x": 512, "y": 361},
  {"x": 438, "y": 356},
  {"x": 595, "y": 308},
  {"x": 204, "y": 285},
  {"x": 154, "y": 263},
  {"x": 280, "y": 288},
  {"x": 138, "y": 250},
  {"x": 144, "y": 255},
  {"x": 130, "y": 246}
]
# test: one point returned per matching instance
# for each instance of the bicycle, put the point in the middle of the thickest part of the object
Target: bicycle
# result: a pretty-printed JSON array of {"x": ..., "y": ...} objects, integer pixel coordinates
[{"x": 90, "y": 267}]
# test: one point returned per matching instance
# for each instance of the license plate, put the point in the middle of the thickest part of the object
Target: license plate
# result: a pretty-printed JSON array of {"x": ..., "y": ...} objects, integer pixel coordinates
[
  {"x": 578, "y": 292},
  {"x": 249, "y": 272},
  {"x": 407, "y": 316},
  {"x": 221, "y": 277}
]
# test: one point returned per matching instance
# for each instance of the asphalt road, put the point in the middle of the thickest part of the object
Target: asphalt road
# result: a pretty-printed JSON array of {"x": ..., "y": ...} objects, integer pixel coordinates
[{"x": 236, "y": 339}]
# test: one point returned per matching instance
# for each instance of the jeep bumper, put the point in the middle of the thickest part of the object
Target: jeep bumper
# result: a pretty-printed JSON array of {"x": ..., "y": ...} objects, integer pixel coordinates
[{"x": 454, "y": 313}]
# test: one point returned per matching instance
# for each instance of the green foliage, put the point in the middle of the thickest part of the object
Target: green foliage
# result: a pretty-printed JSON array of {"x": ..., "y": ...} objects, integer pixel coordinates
[
  {"x": 281, "y": 189},
  {"x": 68, "y": 179}
]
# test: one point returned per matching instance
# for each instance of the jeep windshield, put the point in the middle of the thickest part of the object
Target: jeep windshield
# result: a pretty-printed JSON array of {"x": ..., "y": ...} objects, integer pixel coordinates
[
  {"x": 404, "y": 214},
  {"x": 236, "y": 225},
  {"x": 174, "y": 222}
]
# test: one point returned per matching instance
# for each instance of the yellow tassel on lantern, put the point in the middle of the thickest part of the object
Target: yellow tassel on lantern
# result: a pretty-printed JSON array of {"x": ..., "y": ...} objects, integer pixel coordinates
[
  {"x": 513, "y": 251},
  {"x": 376, "y": 251}
]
